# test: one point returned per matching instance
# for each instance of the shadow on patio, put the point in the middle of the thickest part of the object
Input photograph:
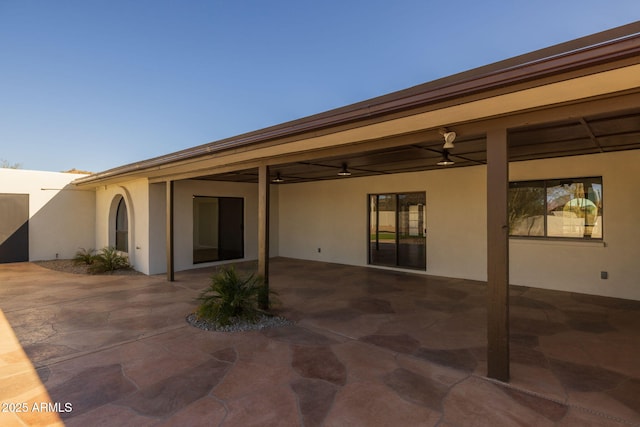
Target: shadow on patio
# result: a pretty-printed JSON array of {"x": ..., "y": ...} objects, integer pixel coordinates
[{"x": 370, "y": 347}]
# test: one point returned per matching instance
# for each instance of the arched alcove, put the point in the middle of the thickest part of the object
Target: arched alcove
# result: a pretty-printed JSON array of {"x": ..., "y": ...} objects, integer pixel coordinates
[
  {"x": 122, "y": 226},
  {"x": 121, "y": 222}
]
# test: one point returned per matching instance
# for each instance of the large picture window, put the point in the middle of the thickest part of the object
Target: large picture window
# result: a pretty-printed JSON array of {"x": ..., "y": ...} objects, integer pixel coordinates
[
  {"x": 218, "y": 228},
  {"x": 556, "y": 208}
]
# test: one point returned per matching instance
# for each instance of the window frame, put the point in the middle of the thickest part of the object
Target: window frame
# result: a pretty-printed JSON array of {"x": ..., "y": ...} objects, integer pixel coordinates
[{"x": 544, "y": 183}]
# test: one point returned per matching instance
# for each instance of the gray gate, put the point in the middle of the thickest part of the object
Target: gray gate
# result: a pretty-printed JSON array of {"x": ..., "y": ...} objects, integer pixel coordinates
[{"x": 14, "y": 228}]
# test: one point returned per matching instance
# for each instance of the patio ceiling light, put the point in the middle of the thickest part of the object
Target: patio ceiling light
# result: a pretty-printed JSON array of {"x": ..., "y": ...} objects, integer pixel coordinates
[
  {"x": 344, "y": 171},
  {"x": 278, "y": 179},
  {"x": 445, "y": 161}
]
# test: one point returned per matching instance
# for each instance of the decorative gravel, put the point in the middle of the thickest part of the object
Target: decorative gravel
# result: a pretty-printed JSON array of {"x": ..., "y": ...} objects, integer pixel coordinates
[
  {"x": 239, "y": 325},
  {"x": 69, "y": 266}
]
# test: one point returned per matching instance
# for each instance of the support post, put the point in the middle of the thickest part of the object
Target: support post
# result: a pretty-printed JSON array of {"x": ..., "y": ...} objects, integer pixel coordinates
[
  {"x": 497, "y": 255},
  {"x": 169, "y": 232},
  {"x": 263, "y": 232}
]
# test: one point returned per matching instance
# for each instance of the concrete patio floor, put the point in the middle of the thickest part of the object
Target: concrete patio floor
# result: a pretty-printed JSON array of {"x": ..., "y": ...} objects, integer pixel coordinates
[{"x": 369, "y": 348}]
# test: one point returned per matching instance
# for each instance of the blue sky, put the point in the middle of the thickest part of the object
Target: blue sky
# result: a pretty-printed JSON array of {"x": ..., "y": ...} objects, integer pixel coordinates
[{"x": 95, "y": 84}]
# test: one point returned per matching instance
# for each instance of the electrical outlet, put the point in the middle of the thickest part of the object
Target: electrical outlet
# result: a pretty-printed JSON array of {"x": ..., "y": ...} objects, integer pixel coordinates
[
  {"x": 319, "y": 250},
  {"x": 604, "y": 275}
]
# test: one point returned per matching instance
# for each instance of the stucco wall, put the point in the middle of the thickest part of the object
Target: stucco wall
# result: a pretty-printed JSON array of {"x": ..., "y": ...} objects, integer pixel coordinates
[
  {"x": 61, "y": 217},
  {"x": 157, "y": 228},
  {"x": 146, "y": 204},
  {"x": 332, "y": 215},
  {"x": 576, "y": 266},
  {"x": 184, "y": 191},
  {"x": 136, "y": 196}
]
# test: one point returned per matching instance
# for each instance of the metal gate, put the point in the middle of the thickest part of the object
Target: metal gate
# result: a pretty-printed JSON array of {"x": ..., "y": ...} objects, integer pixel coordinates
[{"x": 14, "y": 228}]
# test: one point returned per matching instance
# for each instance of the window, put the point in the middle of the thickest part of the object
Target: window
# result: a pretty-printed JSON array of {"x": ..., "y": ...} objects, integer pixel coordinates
[
  {"x": 122, "y": 227},
  {"x": 558, "y": 208},
  {"x": 397, "y": 230},
  {"x": 218, "y": 228}
]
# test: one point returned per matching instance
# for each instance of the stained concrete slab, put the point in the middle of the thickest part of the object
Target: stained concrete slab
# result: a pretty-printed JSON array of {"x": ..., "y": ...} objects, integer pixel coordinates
[{"x": 370, "y": 347}]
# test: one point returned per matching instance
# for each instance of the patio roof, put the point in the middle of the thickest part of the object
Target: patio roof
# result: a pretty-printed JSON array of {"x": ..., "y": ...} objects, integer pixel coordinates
[
  {"x": 581, "y": 135},
  {"x": 398, "y": 132}
]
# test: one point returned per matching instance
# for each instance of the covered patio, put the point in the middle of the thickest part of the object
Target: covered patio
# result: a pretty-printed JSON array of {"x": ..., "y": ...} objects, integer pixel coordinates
[
  {"x": 564, "y": 113},
  {"x": 369, "y": 347}
]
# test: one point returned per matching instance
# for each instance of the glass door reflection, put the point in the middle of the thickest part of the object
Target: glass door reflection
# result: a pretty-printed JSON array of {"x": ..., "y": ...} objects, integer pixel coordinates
[{"x": 397, "y": 230}]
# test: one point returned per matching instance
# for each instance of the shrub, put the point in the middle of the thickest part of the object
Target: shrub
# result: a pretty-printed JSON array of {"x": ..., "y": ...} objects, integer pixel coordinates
[
  {"x": 84, "y": 256},
  {"x": 231, "y": 297},
  {"x": 108, "y": 259}
]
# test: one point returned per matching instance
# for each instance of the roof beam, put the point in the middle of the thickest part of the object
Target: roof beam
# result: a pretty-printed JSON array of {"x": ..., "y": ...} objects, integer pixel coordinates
[{"x": 593, "y": 138}]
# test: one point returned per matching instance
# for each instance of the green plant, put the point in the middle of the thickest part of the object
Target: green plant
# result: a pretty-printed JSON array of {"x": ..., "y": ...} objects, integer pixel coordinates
[
  {"x": 231, "y": 297},
  {"x": 84, "y": 256},
  {"x": 108, "y": 259}
]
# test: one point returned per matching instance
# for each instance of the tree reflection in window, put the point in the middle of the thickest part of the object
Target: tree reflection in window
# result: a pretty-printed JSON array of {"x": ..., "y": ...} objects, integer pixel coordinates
[{"x": 526, "y": 208}]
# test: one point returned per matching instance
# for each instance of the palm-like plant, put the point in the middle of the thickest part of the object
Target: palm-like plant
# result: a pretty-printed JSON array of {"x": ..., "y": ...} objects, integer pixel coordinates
[
  {"x": 108, "y": 259},
  {"x": 231, "y": 297},
  {"x": 84, "y": 256}
]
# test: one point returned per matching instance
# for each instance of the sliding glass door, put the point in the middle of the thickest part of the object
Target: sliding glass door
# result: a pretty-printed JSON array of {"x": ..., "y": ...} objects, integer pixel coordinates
[
  {"x": 397, "y": 235},
  {"x": 382, "y": 245},
  {"x": 411, "y": 231},
  {"x": 218, "y": 229}
]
